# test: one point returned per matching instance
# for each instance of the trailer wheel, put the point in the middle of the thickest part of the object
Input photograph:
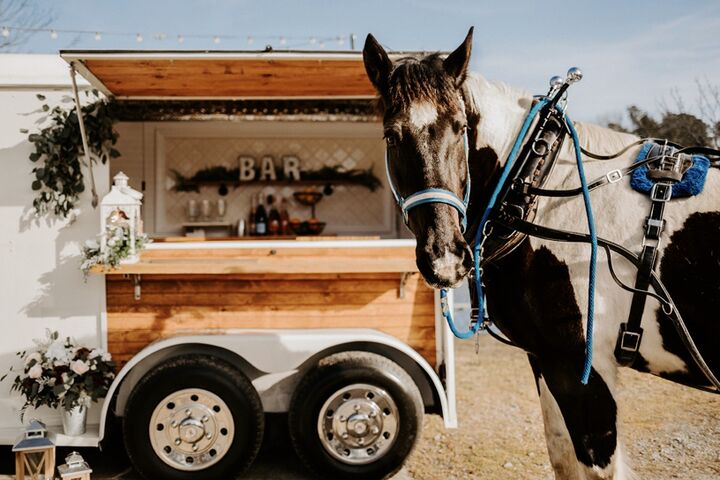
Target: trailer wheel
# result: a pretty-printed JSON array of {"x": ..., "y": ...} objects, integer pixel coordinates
[
  {"x": 357, "y": 415},
  {"x": 193, "y": 417}
]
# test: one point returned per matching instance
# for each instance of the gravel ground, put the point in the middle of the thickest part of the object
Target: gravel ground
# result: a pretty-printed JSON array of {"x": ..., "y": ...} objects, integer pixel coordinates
[{"x": 670, "y": 431}]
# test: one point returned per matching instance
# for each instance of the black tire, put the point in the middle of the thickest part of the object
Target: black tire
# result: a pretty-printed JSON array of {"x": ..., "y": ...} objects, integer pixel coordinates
[
  {"x": 207, "y": 374},
  {"x": 333, "y": 374}
]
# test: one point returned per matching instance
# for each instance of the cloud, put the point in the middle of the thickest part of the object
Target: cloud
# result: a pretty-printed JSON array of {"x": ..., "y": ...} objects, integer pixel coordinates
[{"x": 638, "y": 69}]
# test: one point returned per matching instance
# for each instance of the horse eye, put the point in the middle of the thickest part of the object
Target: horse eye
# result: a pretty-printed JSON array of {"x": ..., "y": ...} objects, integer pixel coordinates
[{"x": 391, "y": 138}]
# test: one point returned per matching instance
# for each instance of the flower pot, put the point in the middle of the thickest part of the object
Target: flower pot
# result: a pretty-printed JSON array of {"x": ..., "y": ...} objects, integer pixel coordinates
[{"x": 74, "y": 421}]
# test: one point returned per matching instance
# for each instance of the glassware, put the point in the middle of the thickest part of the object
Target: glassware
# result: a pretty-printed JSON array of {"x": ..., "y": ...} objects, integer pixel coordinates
[
  {"x": 192, "y": 210},
  {"x": 221, "y": 208},
  {"x": 205, "y": 209}
]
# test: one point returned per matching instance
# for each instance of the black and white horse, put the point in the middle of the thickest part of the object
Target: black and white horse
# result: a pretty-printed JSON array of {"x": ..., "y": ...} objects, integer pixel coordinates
[{"x": 537, "y": 294}]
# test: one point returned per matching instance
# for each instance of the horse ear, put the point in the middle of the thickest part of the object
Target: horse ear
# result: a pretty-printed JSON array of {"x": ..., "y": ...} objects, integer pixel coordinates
[
  {"x": 377, "y": 64},
  {"x": 457, "y": 62}
]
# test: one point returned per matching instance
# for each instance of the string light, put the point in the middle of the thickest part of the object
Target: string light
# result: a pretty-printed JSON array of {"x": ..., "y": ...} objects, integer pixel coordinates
[{"x": 281, "y": 40}]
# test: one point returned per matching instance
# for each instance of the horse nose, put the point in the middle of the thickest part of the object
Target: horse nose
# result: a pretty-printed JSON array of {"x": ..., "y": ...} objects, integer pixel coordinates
[{"x": 449, "y": 264}]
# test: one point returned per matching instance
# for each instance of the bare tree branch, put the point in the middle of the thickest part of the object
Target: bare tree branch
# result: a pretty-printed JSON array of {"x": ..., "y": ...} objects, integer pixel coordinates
[{"x": 22, "y": 14}]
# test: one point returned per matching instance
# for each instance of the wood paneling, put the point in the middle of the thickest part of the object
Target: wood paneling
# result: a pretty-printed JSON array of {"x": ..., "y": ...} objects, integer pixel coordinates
[
  {"x": 181, "y": 304},
  {"x": 232, "y": 78},
  {"x": 281, "y": 261}
]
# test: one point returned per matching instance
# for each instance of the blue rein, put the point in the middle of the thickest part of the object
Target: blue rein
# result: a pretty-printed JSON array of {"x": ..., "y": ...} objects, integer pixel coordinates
[{"x": 437, "y": 195}]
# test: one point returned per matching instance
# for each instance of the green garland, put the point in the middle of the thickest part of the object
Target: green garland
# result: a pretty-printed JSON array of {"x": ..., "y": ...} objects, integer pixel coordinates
[
  {"x": 328, "y": 175},
  {"x": 58, "y": 151}
]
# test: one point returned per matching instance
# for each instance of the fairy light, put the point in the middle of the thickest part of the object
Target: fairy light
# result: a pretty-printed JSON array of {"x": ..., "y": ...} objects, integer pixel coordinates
[{"x": 315, "y": 41}]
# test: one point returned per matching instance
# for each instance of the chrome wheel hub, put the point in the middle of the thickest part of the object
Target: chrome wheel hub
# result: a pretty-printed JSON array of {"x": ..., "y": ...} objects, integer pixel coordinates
[
  {"x": 191, "y": 429},
  {"x": 358, "y": 423}
]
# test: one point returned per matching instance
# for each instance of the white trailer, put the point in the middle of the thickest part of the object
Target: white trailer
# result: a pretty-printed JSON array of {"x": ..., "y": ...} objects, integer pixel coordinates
[{"x": 340, "y": 332}]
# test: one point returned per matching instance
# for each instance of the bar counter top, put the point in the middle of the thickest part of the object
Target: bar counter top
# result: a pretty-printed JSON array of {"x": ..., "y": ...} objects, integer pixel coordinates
[{"x": 304, "y": 255}]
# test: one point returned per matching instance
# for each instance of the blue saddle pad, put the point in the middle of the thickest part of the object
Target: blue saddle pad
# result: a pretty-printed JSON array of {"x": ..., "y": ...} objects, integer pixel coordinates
[{"x": 691, "y": 184}]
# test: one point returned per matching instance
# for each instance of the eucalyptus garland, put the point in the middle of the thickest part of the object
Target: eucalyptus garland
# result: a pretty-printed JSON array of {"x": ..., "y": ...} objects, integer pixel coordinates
[
  {"x": 58, "y": 156},
  {"x": 328, "y": 175}
]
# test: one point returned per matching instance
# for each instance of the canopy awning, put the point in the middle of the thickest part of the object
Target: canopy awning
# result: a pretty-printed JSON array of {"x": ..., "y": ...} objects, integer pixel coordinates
[{"x": 223, "y": 75}]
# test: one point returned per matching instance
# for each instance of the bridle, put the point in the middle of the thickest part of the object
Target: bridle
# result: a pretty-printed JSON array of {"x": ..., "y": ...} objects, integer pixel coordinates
[{"x": 433, "y": 195}]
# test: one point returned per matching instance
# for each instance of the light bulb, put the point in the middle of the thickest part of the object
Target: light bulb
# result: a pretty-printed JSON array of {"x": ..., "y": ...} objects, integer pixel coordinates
[
  {"x": 5, "y": 32},
  {"x": 98, "y": 37},
  {"x": 250, "y": 40},
  {"x": 321, "y": 45},
  {"x": 139, "y": 38},
  {"x": 313, "y": 40},
  {"x": 53, "y": 34},
  {"x": 216, "y": 40},
  {"x": 283, "y": 41},
  {"x": 181, "y": 39}
]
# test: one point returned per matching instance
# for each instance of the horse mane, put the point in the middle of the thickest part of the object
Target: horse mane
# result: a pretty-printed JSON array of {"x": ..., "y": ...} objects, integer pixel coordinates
[
  {"x": 480, "y": 94},
  {"x": 415, "y": 78}
]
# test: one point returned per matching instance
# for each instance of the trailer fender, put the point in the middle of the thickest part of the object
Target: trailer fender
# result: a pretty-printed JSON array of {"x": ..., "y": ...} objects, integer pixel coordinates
[{"x": 268, "y": 357}]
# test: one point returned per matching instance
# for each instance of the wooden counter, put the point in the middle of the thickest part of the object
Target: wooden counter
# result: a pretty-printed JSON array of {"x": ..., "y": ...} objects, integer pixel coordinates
[{"x": 213, "y": 286}]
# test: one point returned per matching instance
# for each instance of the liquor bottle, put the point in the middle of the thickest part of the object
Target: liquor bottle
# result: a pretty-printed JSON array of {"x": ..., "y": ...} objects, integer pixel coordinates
[
  {"x": 251, "y": 227},
  {"x": 284, "y": 217},
  {"x": 260, "y": 217},
  {"x": 273, "y": 217}
]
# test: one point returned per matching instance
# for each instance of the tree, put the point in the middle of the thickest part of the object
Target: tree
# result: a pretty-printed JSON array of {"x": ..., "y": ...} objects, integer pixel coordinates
[
  {"x": 677, "y": 124},
  {"x": 24, "y": 16}
]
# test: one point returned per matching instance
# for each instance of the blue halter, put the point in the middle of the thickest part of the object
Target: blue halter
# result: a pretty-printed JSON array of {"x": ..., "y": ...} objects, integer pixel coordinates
[{"x": 433, "y": 195}]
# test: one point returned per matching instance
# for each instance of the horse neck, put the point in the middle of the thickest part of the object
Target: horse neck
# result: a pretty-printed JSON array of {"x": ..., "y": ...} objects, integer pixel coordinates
[{"x": 495, "y": 114}]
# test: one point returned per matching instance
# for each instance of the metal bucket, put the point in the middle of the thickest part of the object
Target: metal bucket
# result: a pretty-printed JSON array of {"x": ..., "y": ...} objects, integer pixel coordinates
[{"x": 74, "y": 421}]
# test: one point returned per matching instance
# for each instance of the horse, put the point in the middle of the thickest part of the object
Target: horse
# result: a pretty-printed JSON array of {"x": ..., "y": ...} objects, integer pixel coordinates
[{"x": 447, "y": 128}]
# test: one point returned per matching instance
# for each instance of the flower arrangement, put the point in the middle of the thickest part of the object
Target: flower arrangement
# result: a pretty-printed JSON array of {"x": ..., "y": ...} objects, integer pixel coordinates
[
  {"x": 60, "y": 373},
  {"x": 118, "y": 248}
]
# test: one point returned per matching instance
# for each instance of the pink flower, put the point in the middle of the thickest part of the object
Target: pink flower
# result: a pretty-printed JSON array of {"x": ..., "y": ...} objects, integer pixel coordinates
[
  {"x": 79, "y": 367},
  {"x": 35, "y": 371}
]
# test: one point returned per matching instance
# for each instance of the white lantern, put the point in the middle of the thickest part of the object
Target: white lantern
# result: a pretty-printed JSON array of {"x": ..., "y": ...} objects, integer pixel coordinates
[{"x": 121, "y": 208}]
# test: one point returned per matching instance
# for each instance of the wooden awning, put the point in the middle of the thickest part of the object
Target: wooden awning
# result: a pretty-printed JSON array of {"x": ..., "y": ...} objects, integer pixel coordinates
[{"x": 223, "y": 75}]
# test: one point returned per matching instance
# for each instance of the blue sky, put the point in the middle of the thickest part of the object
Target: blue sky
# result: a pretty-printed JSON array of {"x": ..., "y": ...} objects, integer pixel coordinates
[{"x": 632, "y": 52}]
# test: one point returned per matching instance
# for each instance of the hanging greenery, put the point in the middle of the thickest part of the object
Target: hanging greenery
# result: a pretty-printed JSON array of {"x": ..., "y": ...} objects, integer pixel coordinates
[
  {"x": 325, "y": 175},
  {"x": 58, "y": 154}
]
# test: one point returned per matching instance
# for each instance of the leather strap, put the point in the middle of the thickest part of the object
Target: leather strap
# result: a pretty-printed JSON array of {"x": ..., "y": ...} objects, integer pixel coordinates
[{"x": 630, "y": 333}]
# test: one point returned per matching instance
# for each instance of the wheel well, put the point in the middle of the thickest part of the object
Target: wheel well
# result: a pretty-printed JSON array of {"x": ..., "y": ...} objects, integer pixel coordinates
[
  {"x": 156, "y": 358},
  {"x": 430, "y": 398}
]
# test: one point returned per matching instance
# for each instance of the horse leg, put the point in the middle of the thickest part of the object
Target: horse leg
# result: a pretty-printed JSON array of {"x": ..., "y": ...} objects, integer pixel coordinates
[{"x": 580, "y": 422}]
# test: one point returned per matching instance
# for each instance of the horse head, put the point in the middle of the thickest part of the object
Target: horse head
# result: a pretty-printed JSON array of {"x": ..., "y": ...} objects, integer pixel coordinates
[{"x": 425, "y": 130}]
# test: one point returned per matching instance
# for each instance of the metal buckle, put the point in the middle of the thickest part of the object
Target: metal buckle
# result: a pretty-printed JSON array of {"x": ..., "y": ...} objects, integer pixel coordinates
[
  {"x": 630, "y": 341},
  {"x": 614, "y": 176},
  {"x": 661, "y": 192}
]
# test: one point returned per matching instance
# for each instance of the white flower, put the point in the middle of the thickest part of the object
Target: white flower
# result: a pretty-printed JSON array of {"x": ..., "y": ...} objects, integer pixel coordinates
[
  {"x": 94, "y": 353},
  {"x": 79, "y": 367},
  {"x": 111, "y": 242},
  {"x": 33, "y": 356},
  {"x": 35, "y": 372},
  {"x": 92, "y": 244},
  {"x": 106, "y": 357},
  {"x": 57, "y": 352}
]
